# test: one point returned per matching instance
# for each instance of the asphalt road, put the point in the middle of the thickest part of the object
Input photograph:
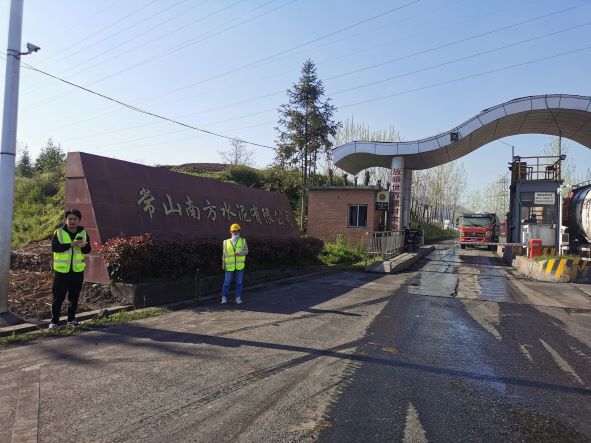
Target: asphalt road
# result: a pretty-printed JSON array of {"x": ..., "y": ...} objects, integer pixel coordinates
[
  {"x": 458, "y": 354},
  {"x": 458, "y": 348}
]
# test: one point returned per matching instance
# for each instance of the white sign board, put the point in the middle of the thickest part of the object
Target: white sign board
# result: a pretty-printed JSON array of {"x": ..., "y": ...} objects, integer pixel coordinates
[{"x": 544, "y": 198}]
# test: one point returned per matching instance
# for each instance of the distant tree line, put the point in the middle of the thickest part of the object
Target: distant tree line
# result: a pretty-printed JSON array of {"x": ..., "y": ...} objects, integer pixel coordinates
[{"x": 50, "y": 157}]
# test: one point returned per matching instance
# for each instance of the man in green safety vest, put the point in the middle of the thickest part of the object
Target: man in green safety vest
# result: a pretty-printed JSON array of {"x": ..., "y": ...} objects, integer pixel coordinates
[
  {"x": 69, "y": 244},
  {"x": 233, "y": 261}
]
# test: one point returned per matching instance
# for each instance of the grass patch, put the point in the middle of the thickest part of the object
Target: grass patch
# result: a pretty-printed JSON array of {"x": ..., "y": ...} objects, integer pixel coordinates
[
  {"x": 38, "y": 206},
  {"x": 341, "y": 251},
  {"x": 118, "y": 317}
]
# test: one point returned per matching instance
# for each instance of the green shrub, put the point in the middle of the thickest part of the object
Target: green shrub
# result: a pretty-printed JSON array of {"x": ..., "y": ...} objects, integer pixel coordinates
[
  {"x": 144, "y": 258},
  {"x": 245, "y": 175},
  {"x": 341, "y": 251},
  {"x": 555, "y": 257}
]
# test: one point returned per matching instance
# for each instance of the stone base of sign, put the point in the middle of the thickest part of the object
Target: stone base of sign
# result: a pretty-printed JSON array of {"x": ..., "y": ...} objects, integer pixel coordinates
[{"x": 144, "y": 295}]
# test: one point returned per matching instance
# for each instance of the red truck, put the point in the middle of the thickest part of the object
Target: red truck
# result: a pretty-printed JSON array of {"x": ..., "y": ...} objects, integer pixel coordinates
[{"x": 479, "y": 227}]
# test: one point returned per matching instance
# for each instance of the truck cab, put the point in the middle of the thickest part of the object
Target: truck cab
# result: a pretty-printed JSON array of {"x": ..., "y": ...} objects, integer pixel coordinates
[{"x": 479, "y": 228}]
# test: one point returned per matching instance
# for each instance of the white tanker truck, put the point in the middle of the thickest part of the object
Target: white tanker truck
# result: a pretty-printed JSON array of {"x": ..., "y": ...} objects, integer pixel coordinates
[{"x": 577, "y": 216}]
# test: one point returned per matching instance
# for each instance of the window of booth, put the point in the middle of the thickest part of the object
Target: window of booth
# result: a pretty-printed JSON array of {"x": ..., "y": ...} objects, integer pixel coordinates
[{"x": 357, "y": 216}]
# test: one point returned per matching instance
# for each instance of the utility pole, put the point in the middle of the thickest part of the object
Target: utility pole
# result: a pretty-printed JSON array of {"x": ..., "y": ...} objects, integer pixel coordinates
[{"x": 8, "y": 153}]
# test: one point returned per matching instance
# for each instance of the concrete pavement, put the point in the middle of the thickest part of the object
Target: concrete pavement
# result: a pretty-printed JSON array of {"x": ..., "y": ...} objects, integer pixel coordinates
[{"x": 259, "y": 371}]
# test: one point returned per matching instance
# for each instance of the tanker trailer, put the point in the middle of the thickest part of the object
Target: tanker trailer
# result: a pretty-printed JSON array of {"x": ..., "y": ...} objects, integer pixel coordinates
[{"x": 579, "y": 217}]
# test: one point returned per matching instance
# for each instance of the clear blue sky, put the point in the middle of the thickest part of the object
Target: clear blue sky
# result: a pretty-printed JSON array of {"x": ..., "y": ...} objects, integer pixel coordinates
[{"x": 224, "y": 66}]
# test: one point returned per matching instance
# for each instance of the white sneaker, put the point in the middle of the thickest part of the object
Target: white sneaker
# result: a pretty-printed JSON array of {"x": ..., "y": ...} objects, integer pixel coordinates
[
  {"x": 238, "y": 301},
  {"x": 224, "y": 300},
  {"x": 53, "y": 326},
  {"x": 74, "y": 323}
]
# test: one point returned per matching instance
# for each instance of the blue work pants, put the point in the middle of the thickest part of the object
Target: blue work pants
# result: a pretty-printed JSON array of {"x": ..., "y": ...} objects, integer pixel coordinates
[{"x": 228, "y": 281}]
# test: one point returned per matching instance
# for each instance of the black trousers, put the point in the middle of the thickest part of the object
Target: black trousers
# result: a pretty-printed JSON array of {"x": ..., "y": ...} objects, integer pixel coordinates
[{"x": 66, "y": 283}]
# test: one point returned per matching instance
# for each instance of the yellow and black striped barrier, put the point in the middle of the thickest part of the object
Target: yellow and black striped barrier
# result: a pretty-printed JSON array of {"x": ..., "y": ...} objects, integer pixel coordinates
[{"x": 569, "y": 268}]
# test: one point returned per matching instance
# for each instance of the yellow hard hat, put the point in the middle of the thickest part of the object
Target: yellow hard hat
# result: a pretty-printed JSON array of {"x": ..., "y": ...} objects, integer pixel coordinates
[{"x": 235, "y": 227}]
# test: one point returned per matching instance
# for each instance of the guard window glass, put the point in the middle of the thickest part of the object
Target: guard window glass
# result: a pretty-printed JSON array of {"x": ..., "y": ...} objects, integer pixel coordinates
[{"x": 357, "y": 216}]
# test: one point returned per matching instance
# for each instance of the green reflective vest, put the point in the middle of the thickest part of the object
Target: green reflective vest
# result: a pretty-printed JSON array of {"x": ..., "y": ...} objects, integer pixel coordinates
[
  {"x": 234, "y": 262},
  {"x": 72, "y": 257}
]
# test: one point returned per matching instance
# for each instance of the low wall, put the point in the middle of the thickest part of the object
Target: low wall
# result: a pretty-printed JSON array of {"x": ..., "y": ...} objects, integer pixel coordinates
[{"x": 143, "y": 295}]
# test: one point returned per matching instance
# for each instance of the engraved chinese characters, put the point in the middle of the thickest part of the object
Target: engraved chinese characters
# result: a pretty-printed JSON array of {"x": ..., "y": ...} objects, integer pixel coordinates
[
  {"x": 207, "y": 211},
  {"x": 395, "y": 198}
]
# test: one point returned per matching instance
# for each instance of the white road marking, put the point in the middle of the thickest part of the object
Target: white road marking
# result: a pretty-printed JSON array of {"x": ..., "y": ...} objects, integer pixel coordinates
[
  {"x": 413, "y": 430},
  {"x": 525, "y": 352},
  {"x": 561, "y": 362},
  {"x": 27, "y": 410}
]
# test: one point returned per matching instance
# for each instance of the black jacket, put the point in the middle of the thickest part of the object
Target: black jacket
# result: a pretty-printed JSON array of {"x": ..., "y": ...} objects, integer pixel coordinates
[{"x": 56, "y": 246}]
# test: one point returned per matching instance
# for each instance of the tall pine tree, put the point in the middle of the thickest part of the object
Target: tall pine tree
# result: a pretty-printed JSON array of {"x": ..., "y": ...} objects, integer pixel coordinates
[
  {"x": 24, "y": 167},
  {"x": 305, "y": 128}
]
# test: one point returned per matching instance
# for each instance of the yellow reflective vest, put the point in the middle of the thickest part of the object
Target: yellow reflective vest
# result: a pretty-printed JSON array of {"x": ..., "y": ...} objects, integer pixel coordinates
[
  {"x": 72, "y": 258},
  {"x": 234, "y": 262}
]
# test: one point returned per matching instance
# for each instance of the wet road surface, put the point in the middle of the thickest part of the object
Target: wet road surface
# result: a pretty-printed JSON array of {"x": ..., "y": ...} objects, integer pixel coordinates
[{"x": 463, "y": 353}]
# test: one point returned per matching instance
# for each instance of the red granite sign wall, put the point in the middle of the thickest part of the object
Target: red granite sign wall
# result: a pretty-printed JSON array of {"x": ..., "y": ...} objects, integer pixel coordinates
[{"x": 118, "y": 197}]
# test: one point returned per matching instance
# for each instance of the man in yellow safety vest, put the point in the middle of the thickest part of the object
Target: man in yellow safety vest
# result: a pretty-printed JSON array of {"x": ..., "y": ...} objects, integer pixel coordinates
[
  {"x": 233, "y": 261},
  {"x": 69, "y": 244}
]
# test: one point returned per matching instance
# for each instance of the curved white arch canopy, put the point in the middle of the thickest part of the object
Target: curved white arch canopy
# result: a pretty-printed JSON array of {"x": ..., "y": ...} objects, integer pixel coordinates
[{"x": 558, "y": 114}]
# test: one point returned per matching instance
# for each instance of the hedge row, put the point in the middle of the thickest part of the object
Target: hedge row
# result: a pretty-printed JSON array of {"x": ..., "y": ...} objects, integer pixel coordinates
[{"x": 144, "y": 258}]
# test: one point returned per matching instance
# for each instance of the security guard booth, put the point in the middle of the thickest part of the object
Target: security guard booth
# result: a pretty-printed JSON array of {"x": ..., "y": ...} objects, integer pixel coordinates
[{"x": 535, "y": 200}]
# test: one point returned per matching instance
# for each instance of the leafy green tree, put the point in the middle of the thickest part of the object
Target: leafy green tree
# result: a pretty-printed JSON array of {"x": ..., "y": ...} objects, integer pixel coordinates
[
  {"x": 305, "y": 128},
  {"x": 24, "y": 167},
  {"x": 50, "y": 157}
]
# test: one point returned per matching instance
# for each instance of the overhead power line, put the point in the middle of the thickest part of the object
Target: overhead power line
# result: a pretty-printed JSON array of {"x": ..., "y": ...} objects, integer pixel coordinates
[
  {"x": 43, "y": 83},
  {"x": 285, "y": 51},
  {"x": 110, "y": 25},
  {"x": 141, "y": 111},
  {"x": 510, "y": 45},
  {"x": 421, "y": 52},
  {"x": 504, "y": 68},
  {"x": 463, "y": 40},
  {"x": 155, "y": 38},
  {"x": 467, "y": 57},
  {"x": 180, "y": 47},
  {"x": 467, "y": 77}
]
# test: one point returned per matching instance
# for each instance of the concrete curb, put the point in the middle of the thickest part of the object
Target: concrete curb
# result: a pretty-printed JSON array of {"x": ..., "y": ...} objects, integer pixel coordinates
[
  {"x": 400, "y": 262},
  {"x": 43, "y": 324}
]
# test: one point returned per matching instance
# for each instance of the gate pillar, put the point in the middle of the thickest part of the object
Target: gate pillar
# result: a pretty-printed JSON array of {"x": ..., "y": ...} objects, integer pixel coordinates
[{"x": 399, "y": 213}]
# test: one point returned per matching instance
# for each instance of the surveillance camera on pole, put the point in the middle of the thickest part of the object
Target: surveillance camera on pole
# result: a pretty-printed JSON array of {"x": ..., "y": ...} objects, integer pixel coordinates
[
  {"x": 30, "y": 49},
  {"x": 8, "y": 151}
]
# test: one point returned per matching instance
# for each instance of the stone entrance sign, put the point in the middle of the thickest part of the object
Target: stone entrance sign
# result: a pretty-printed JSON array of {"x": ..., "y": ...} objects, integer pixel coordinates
[{"x": 118, "y": 197}]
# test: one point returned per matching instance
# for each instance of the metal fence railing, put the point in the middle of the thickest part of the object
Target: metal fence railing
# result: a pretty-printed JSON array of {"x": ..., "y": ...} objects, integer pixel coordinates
[{"x": 384, "y": 244}]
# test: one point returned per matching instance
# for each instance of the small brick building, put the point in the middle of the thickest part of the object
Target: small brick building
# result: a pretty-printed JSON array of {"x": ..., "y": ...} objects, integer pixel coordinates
[{"x": 347, "y": 210}]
